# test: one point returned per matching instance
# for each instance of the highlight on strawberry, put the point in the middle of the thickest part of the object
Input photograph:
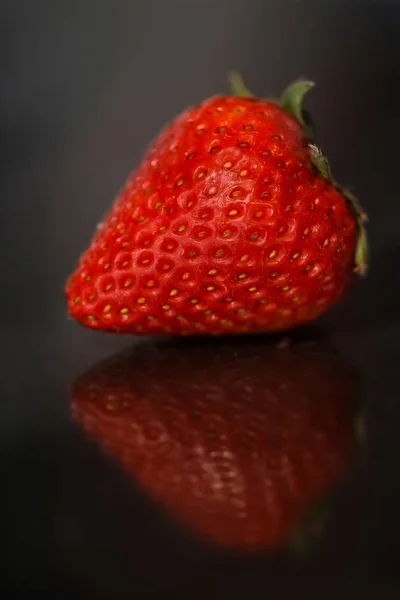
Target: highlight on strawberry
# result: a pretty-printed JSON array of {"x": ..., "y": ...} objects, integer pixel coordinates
[
  {"x": 232, "y": 223},
  {"x": 241, "y": 442}
]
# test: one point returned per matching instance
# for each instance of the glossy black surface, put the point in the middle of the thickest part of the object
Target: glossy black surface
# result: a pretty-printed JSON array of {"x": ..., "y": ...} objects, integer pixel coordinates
[{"x": 84, "y": 86}]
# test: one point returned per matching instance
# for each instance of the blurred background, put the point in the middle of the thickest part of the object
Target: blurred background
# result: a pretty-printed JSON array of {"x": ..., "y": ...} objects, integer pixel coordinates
[{"x": 85, "y": 85}]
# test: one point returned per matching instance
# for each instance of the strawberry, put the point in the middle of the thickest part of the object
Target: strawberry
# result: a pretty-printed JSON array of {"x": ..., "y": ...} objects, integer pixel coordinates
[
  {"x": 234, "y": 440},
  {"x": 232, "y": 223}
]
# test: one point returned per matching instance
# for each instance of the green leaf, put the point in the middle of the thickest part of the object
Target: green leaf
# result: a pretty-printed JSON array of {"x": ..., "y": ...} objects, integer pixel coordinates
[
  {"x": 291, "y": 102},
  {"x": 361, "y": 253}
]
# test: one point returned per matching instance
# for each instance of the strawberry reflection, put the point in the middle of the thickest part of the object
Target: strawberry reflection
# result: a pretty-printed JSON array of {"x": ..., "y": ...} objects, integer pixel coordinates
[{"x": 236, "y": 438}]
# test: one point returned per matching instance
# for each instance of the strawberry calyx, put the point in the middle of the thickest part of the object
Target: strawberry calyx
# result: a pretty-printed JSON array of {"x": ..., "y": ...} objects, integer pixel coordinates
[
  {"x": 306, "y": 535},
  {"x": 321, "y": 164},
  {"x": 238, "y": 85},
  {"x": 291, "y": 101}
]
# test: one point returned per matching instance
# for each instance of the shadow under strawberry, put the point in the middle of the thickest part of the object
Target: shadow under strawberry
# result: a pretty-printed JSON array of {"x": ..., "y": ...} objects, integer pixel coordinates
[{"x": 239, "y": 440}]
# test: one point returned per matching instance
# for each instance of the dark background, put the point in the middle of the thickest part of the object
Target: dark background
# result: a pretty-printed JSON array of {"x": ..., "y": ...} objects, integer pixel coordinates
[{"x": 84, "y": 86}]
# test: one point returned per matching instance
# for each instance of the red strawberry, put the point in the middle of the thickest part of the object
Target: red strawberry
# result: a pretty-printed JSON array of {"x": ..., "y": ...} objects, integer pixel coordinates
[
  {"x": 234, "y": 440},
  {"x": 231, "y": 223}
]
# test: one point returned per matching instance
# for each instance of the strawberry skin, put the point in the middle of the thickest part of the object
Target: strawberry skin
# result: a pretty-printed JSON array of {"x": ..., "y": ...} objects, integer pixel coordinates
[
  {"x": 235, "y": 441},
  {"x": 228, "y": 225}
]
